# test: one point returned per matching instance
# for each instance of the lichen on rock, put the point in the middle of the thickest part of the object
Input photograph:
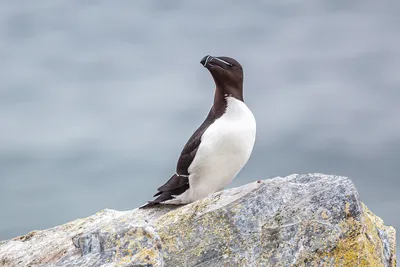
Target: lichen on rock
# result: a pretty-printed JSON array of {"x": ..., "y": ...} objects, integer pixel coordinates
[{"x": 298, "y": 220}]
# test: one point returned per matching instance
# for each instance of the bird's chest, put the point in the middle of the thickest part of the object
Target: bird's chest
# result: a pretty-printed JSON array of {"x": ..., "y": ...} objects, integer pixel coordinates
[{"x": 230, "y": 139}]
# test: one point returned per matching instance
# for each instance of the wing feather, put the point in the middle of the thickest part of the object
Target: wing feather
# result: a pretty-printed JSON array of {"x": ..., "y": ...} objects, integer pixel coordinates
[{"x": 179, "y": 182}]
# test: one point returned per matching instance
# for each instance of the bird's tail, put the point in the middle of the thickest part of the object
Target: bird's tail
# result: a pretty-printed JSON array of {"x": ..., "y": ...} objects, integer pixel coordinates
[{"x": 149, "y": 204}]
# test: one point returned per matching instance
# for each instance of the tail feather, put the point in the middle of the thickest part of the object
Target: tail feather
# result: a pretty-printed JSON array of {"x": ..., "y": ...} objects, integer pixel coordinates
[
  {"x": 157, "y": 194},
  {"x": 149, "y": 205},
  {"x": 165, "y": 195}
]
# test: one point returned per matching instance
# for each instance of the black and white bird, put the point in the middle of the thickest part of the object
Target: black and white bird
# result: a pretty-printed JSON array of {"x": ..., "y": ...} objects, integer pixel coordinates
[{"x": 220, "y": 147}]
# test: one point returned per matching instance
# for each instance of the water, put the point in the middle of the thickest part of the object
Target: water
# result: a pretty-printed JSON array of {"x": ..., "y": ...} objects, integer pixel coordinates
[{"x": 98, "y": 99}]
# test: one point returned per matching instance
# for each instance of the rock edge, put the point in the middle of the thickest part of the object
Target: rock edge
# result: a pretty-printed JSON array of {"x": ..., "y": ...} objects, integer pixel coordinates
[{"x": 298, "y": 220}]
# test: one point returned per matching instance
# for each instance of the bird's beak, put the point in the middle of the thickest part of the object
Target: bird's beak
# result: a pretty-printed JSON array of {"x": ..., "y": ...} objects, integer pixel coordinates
[
  {"x": 215, "y": 61},
  {"x": 205, "y": 60}
]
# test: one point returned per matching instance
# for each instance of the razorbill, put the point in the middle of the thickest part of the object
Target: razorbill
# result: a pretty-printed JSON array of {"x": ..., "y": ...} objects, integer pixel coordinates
[{"x": 220, "y": 147}]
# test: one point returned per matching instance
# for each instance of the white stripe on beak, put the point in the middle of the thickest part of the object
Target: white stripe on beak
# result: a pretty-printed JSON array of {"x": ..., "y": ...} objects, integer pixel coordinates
[
  {"x": 223, "y": 61},
  {"x": 207, "y": 59}
]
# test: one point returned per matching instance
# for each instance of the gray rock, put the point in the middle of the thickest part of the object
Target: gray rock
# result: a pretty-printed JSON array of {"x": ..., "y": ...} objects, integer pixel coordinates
[{"x": 299, "y": 220}]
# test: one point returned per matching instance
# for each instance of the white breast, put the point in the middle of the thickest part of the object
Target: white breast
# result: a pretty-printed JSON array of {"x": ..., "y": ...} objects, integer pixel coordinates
[{"x": 225, "y": 148}]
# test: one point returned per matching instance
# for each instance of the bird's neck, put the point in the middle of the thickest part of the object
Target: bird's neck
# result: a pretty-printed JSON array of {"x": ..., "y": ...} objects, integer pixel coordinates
[
  {"x": 220, "y": 99},
  {"x": 221, "y": 93}
]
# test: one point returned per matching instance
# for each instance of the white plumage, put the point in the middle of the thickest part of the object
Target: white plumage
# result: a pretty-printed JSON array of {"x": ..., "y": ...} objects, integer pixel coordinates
[{"x": 225, "y": 148}]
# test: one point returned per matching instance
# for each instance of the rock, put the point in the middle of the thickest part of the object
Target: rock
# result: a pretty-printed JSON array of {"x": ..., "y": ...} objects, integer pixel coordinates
[{"x": 299, "y": 220}]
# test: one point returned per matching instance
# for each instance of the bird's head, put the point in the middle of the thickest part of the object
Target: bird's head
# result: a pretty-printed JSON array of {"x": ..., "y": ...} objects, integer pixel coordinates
[{"x": 227, "y": 74}]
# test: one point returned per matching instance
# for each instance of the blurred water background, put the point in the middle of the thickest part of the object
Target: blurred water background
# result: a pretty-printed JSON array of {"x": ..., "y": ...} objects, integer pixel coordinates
[{"x": 98, "y": 98}]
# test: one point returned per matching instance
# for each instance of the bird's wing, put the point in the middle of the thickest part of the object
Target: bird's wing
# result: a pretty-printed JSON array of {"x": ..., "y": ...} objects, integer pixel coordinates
[
  {"x": 189, "y": 152},
  {"x": 179, "y": 182},
  {"x": 181, "y": 178},
  {"x": 175, "y": 182}
]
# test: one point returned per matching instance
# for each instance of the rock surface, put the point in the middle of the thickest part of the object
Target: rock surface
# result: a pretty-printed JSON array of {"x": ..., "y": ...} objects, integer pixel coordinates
[{"x": 299, "y": 220}]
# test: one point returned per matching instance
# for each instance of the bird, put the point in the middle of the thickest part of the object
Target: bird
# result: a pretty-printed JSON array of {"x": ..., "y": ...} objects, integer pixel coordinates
[{"x": 220, "y": 147}]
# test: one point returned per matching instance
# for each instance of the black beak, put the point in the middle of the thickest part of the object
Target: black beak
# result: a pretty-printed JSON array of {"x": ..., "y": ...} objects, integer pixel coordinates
[
  {"x": 205, "y": 60},
  {"x": 215, "y": 61}
]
